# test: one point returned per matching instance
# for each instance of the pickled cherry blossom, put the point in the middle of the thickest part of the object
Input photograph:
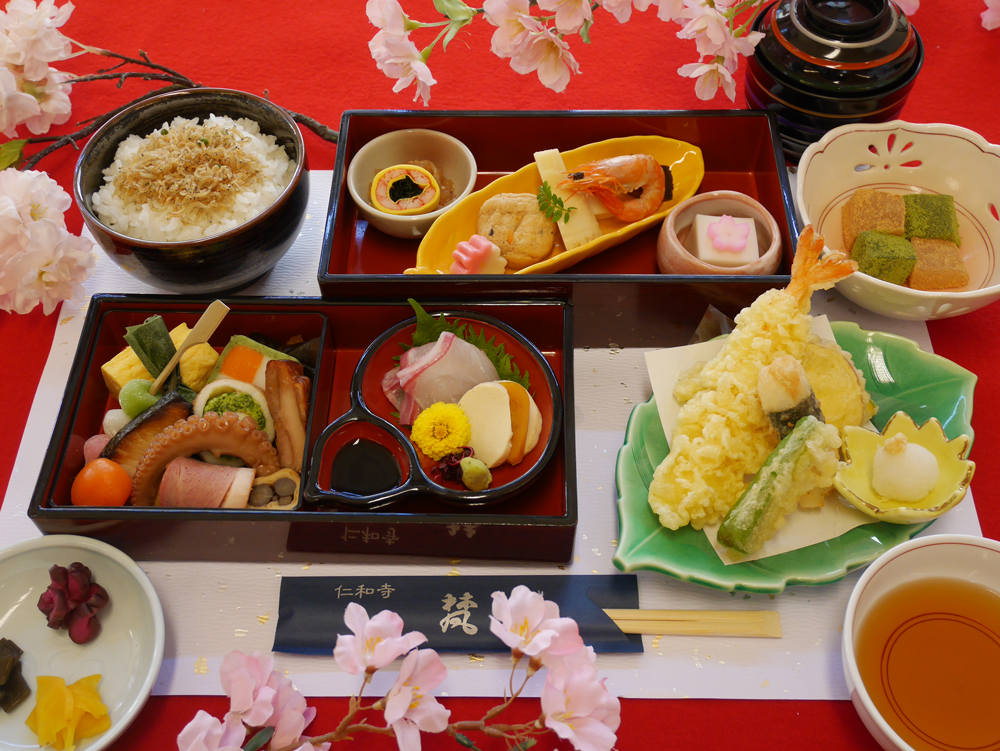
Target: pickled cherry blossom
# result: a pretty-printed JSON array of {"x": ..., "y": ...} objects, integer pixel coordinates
[{"x": 377, "y": 641}]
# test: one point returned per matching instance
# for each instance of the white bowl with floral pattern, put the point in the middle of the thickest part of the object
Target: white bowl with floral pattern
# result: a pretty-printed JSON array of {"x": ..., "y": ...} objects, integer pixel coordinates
[{"x": 900, "y": 157}]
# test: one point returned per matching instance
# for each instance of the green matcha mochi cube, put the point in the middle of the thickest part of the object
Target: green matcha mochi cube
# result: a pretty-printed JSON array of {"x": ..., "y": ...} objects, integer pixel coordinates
[
  {"x": 885, "y": 257},
  {"x": 931, "y": 217}
]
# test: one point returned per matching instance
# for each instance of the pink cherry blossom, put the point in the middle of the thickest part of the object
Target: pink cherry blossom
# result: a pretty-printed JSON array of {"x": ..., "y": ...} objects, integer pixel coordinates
[
  {"x": 710, "y": 76},
  {"x": 399, "y": 58},
  {"x": 909, "y": 7},
  {"x": 387, "y": 14},
  {"x": 30, "y": 196},
  {"x": 31, "y": 36},
  {"x": 409, "y": 709},
  {"x": 530, "y": 625},
  {"x": 667, "y": 10},
  {"x": 377, "y": 642},
  {"x": 244, "y": 679},
  {"x": 52, "y": 94},
  {"x": 16, "y": 107},
  {"x": 207, "y": 733},
  {"x": 571, "y": 15},
  {"x": 706, "y": 25},
  {"x": 734, "y": 46},
  {"x": 50, "y": 268},
  {"x": 514, "y": 24},
  {"x": 991, "y": 16},
  {"x": 549, "y": 55},
  {"x": 291, "y": 716},
  {"x": 577, "y": 705}
]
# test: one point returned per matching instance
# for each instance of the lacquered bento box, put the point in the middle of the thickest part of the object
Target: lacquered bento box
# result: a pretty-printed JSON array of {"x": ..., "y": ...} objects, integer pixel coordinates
[
  {"x": 537, "y": 522},
  {"x": 741, "y": 151}
]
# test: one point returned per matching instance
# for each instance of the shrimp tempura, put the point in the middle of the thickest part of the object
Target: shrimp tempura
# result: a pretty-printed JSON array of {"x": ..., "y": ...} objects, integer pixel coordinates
[{"x": 722, "y": 433}]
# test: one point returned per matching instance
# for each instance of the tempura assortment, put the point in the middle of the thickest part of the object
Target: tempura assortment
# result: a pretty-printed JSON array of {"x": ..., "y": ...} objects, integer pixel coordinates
[{"x": 773, "y": 381}]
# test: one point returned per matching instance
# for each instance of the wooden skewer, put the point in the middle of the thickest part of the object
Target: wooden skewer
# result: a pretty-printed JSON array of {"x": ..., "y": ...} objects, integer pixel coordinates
[
  {"x": 764, "y": 623},
  {"x": 200, "y": 334}
]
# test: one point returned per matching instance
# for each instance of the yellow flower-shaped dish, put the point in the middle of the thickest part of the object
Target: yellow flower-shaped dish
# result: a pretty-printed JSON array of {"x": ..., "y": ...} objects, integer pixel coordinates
[
  {"x": 854, "y": 478},
  {"x": 458, "y": 224}
]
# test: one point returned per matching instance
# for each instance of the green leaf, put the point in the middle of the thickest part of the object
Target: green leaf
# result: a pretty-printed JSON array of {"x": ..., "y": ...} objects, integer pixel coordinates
[
  {"x": 464, "y": 740},
  {"x": 456, "y": 10},
  {"x": 259, "y": 740},
  {"x": 524, "y": 745},
  {"x": 453, "y": 29},
  {"x": 552, "y": 205},
  {"x": 12, "y": 153},
  {"x": 585, "y": 30},
  {"x": 151, "y": 343},
  {"x": 429, "y": 329}
]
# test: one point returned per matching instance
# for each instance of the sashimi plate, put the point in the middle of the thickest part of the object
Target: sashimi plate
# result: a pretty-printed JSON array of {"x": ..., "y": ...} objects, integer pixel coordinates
[
  {"x": 898, "y": 375},
  {"x": 126, "y": 652},
  {"x": 458, "y": 224}
]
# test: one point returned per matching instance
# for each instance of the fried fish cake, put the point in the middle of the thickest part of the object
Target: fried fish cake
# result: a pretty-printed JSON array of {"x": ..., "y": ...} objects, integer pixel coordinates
[{"x": 514, "y": 223}]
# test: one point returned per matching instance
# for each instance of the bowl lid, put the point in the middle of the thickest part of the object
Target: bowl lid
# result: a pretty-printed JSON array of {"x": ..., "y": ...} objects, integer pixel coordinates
[{"x": 841, "y": 46}]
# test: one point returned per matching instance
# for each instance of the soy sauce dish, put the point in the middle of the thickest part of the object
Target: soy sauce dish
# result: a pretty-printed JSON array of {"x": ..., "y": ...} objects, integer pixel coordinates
[{"x": 367, "y": 457}]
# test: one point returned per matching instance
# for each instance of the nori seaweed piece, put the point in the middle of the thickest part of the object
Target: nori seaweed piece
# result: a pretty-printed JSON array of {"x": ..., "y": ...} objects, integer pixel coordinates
[
  {"x": 784, "y": 422},
  {"x": 668, "y": 192}
]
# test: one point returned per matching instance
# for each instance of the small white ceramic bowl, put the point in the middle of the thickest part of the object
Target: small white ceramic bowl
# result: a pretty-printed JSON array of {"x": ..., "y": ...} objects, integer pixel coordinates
[
  {"x": 451, "y": 156},
  {"x": 674, "y": 244},
  {"x": 974, "y": 559},
  {"x": 901, "y": 157}
]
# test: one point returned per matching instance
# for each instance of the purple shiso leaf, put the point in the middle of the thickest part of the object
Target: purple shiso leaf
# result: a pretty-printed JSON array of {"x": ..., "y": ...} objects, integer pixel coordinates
[
  {"x": 53, "y": 604},
  {"x": 58, "y": 575},
  {"x": 98, "y": 598},
  {"x": 78, "y": 577},
  {"x": 81, "y": 624}
]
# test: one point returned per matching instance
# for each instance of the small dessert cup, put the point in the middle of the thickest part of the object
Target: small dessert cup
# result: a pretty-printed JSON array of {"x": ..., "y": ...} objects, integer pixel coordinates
[{"x": 676, "y": 243}]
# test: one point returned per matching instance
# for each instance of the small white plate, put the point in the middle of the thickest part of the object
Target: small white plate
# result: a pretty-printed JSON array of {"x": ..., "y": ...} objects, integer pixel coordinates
[{"x": 127, "y": 651}]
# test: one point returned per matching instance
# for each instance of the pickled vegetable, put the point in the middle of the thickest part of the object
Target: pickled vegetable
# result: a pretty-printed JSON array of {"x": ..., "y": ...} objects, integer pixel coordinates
[{"x": 65, "y": 714}]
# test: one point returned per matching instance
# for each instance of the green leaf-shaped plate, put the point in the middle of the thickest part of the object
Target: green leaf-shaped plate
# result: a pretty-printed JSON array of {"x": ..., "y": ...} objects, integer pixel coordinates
[{"x": 899, "y": 376}]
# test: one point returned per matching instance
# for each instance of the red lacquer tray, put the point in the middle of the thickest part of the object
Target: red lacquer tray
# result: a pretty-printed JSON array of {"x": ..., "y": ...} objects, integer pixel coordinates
[
  {"x": 741, "y": 152},
  {"x": 536, "y": 524}
]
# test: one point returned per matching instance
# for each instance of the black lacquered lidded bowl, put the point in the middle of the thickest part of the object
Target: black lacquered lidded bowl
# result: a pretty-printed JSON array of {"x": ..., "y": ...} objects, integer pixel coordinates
[{"x": 827, "y": 63}]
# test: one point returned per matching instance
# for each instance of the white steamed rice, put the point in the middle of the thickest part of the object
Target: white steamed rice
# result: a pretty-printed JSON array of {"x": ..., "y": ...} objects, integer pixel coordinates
[{"x": 145, "y": 223}]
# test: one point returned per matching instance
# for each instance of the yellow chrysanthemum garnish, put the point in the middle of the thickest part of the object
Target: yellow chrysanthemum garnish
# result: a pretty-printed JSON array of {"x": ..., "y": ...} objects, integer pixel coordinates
[{"x": 440, "y": 430}]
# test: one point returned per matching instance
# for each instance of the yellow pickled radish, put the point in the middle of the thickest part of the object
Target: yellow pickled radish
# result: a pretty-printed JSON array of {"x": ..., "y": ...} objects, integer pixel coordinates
[{"x": 405, "y": 189}]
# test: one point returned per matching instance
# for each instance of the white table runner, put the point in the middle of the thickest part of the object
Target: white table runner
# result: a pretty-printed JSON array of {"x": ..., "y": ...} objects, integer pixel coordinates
[{"x": 211, "y": 608}]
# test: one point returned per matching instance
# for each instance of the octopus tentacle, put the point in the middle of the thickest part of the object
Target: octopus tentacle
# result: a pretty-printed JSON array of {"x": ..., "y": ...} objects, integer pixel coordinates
[{"x": 220, "y": 434}]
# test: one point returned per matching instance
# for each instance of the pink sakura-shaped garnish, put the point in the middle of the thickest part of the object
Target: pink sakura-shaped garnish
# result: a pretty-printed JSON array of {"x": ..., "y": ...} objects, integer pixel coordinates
[
  {"x": 477, "y": 256},
  {"x": 727, "y": 235}
]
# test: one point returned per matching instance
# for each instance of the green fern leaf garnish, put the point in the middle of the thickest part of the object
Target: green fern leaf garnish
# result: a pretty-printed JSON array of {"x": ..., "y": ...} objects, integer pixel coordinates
[{"x": 552, "y": 205}]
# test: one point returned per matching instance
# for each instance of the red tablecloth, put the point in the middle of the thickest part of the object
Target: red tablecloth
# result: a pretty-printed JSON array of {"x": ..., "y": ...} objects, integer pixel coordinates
[{"x": 312, "y": 57}]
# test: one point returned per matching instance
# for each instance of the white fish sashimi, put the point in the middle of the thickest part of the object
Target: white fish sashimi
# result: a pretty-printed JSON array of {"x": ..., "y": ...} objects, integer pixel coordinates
[{"x": 446, "y": 372}]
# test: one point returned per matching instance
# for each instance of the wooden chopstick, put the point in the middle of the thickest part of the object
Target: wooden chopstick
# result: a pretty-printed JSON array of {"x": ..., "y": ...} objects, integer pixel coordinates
[{"x": 765, "y": 623}]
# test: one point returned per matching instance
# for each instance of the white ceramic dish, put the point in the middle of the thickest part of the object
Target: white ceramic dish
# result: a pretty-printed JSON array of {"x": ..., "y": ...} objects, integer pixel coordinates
[
  {"x": 451, "y": 156},
  {"x": 901, "y": 157},
  {"x": 974, "y": 559},
  {"x": 127, "y": 652}
]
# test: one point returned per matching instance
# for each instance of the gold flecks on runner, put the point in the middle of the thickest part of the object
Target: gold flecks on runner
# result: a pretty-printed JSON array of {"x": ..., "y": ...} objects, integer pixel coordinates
[
  {"x": 454, "y": 561},
  {"x": 201, "y": 666},
  {"x": 241, "y": 632},
  {"x": 262, "y": 619},
  {"x": 476, "y": 658},
  {"x": 65, "y": 320},
  {"x": 655, "y": 644},
  {"x": 765, "y": 684},
  {"x": 454, "y": 572},
  {"x": 306, "y": 567}
]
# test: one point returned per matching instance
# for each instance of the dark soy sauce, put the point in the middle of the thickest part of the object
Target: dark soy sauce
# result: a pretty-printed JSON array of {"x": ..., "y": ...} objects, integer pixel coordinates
[{"x": 364, "y": 467}]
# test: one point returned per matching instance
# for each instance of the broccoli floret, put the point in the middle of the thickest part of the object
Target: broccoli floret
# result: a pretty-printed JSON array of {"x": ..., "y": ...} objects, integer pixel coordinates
[{"x": 238, "y": 402}]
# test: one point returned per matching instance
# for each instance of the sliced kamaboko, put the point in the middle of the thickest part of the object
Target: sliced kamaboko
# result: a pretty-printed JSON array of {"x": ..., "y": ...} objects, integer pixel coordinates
[
  {"x": 449, "y": 369},
  {"x": 189, "y": 483},
  {"x": 785, "y": 394}
]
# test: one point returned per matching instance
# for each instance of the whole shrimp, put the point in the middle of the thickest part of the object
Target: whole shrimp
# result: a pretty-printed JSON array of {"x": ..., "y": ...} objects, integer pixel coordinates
[
  {"x": 614, "y": 182},
  {"x": 722, "y": 433}
]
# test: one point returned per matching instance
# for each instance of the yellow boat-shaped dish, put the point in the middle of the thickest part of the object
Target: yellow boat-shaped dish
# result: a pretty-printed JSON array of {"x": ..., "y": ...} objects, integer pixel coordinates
[{"x": 459, "y": 223}]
